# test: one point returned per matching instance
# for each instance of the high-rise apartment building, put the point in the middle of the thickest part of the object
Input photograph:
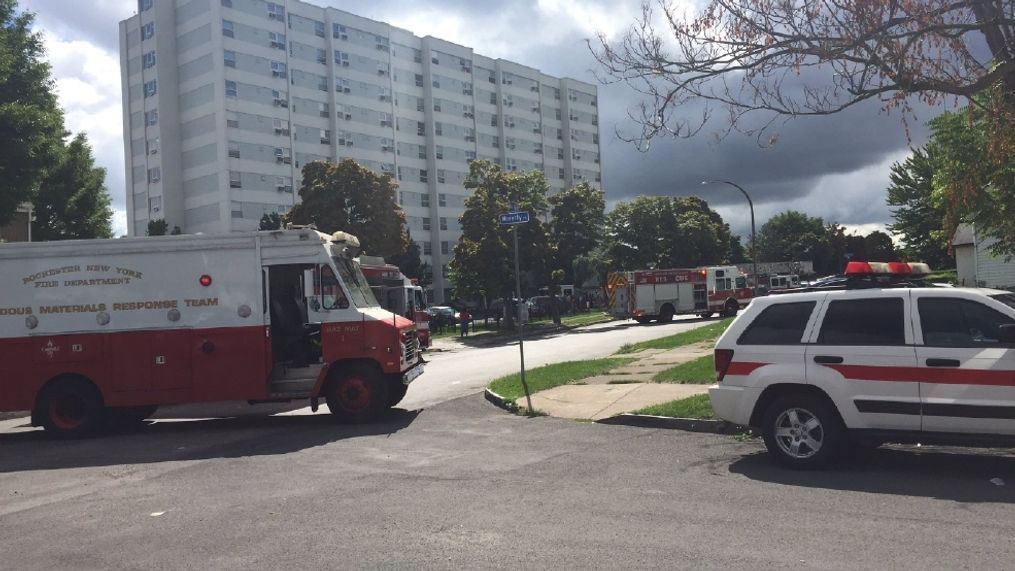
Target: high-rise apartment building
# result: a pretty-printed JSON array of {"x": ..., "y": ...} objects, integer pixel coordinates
[{"x": 224, "y": 101}]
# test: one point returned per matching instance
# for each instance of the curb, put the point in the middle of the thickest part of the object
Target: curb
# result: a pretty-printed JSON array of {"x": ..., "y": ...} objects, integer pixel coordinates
[
  {"x": 688, "y": 424},
  {"x": 500, "y": 401}
]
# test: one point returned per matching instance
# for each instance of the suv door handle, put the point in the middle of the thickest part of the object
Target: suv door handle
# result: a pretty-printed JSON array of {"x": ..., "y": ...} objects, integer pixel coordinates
[
  {"x": 827, "y": 359},
  {"x": 943, "y": 362}
]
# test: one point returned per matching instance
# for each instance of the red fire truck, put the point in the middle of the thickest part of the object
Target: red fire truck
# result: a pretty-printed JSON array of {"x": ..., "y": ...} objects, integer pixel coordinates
[
  {"x": 648, "y": 295},
  {"x": 96, "y": 330},
  {"x": 397, "y": 293}
]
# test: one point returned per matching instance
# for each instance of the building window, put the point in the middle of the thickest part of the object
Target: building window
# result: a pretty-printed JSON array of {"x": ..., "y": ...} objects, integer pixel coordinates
[
  {"x": 424, "y": 200},
  {"x": 234, "y": 150},
  {"x": 445, "y": 248},
  {"x": 385, "y": 119},
  {"x": 322, "y": 56},
  {"x": 155, "y": 174},
  {"x": 276, "y": 40},
  {"x": 230, "y": 88},
  {"x": 417, "y": 56},
  {"x": 426, "y": 224},
  {"x": 227, "y": 3},
  {"x": 444, "y": 223},
  {"x": 155, "y": 204},
  {"x": 319, "y": 29},
  {"x": 281, "y": 126},
  {"x": 427, "y": 249},
  {"x": 322, "y": 110},
  {"x": 152, "y": 146},
  {"x": 442, "y": 200},
  {"x": 280, "y": 98},
  {"x": 145, "y": 5},
  {"x": 150, "y": 88},
  {"x": 148, "y": 31},
  {"x": 148, "y": 60},
  {"x": 339, "y": 32},
  {"x": 275, "y": 12},
  {"x": 423, "y": 176},
  {"x": 279, "y": 69},
  {"x": 440, "y": 152},
  {"x": 227, "y": 29},
  {"x": 342, "y": 58},
  {"x": 151, "y": 117},
  {"x": 234, "y": 180},
  {"x": 419, "y": 80},
  {"x": 440, "y": 175},
  {"x": 229, "y": 58},
  {"x": 438, "y": 128},
  {"x": 325, "y": 137},
  {"x": 236, "y": 209},
  {"x": 421, "y": 129}
]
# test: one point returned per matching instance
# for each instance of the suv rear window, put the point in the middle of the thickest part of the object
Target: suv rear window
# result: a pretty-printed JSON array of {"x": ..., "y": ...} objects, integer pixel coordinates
[
  {"x": 779, "y": 324},
  {"x": 865, "y": 322}
]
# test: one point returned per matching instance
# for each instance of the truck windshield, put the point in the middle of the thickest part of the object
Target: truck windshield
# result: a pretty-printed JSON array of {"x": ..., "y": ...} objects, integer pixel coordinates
[{"x": 355, "y": 282}]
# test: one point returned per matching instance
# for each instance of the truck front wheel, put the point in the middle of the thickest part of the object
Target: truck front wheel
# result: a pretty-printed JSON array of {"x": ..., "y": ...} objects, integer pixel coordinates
[
  {"x": 70, "y": 407},
  {"x": 396, "y": 392},
  {"x": 357, "y": 394}
]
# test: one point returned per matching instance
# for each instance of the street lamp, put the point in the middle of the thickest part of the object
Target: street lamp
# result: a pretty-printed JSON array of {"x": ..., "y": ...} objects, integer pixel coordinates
[{"x": 754, "y": 238}]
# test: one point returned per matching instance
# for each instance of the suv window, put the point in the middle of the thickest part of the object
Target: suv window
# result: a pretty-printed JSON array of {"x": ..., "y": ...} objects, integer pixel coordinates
[
  {"x": 1006, "y": 298},
  {"x": 870, "y": 322},
  {"x": 949, "y": 322},
  {"x": 779, "y": 324}
]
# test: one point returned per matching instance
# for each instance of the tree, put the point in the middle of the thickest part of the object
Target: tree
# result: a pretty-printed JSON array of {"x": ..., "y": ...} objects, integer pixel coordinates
[
  {"x": 579, "y": 222},
  {"x": 410, "y": 262},
  {"x": 349, "y": 197},
  {"x": 72, "y": 202},
  {"x": 919, "y": 216},
  {"x": 270, "y": 221},
  {"x": 666, "y": 232},
  {"x": 793, "y": 236},
  {"x": 483, "y": 263},
  {"x": 157, "y": 227},
  {"x": 31, "y": 123},
  {"x": 879, "y": 246},
  {"x": 789, "y": 59},
  {"x": 974, "y": 175}
]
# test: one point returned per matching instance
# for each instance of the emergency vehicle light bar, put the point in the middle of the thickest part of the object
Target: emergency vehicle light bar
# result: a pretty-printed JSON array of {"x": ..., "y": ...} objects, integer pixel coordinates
[{"x": 858, "y": 268}]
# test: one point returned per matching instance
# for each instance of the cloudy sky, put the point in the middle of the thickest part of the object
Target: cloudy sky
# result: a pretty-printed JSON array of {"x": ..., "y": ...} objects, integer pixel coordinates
[{"x": 835, "y": 167}]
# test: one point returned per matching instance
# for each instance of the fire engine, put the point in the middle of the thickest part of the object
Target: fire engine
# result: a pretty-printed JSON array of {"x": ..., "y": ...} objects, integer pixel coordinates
[
  {"x": 648, "y": 295},
  {"x": 100, "y": 330},
  {"x": 397, "y": 293}
]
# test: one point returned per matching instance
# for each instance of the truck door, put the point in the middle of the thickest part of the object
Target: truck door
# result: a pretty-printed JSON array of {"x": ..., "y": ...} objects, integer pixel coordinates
[{"x": 967, "y": 376}]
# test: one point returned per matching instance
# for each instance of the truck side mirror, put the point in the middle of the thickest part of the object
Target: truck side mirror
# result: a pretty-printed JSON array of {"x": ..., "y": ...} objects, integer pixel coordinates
[
  {"x": 308, "y": 284},
  {"x": 1006, "y": 333}
]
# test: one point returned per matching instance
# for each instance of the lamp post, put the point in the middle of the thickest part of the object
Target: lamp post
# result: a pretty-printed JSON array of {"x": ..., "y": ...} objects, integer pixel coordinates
[{"x": 754, "y": 238}]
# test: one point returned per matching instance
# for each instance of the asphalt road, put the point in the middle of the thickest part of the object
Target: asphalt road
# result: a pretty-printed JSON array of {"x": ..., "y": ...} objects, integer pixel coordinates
[{"x": 466, "y": 485}]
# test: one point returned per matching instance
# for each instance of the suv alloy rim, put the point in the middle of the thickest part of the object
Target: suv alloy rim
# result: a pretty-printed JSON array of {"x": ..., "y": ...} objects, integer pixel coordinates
[{"x": 798, "y": 433}]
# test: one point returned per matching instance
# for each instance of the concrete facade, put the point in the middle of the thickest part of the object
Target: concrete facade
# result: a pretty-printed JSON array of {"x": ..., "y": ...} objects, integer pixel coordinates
[{"x": 225, "y": 100}]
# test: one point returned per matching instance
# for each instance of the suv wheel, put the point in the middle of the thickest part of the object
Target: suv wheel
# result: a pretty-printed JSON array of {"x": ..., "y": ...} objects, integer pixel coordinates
[{"x": 802, "y": 431}]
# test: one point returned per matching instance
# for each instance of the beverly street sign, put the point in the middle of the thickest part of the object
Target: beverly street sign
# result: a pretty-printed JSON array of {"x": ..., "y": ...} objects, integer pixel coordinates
[{"x": 514, "y": 218}]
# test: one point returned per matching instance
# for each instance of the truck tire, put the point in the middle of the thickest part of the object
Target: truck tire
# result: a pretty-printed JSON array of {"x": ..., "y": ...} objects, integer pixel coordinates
[
  {"x": 666, "y": 314},
  {"x": 357, "y": 394},
  {"x": 705, "y": 314},
  {"x": 642, "y": 320},
  {"x": 803, "y": 431},
  {"x": 396, "y": 392},
  {"x": 731, "y": 308},
  {"x": 70, "y": 407}
]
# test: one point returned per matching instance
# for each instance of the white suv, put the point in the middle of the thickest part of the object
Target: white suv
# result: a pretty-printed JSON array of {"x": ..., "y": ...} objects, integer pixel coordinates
[{"x": 818, "y": 370}]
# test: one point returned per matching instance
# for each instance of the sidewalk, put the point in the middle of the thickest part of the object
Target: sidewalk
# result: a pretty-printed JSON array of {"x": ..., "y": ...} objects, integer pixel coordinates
[{"x": 625, "y": 389}]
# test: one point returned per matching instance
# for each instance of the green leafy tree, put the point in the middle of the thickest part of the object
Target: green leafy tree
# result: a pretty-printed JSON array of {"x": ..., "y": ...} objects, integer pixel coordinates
[
  {"x": 794, "y": 236},
  {"x": 578, "y": 225},
  {"x": 974, "y": 174},
  {"x": 410, "y": 262},
  {"x": 72, "y": 202},
  {"x": 270, "y": 221},
  {"x": 666, "y": 232},
  {"x": 31, "y": 123},
  {"x": 879, "y": 246},
  {"x": 352, "y": 198},
  {"x": 158, "y": 227},
  {"x": 483, "y": 263},
  {"x": 919, "y": 215}
]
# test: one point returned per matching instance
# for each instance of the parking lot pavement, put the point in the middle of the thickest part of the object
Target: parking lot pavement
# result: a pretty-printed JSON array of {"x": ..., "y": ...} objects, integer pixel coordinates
[{"x": 462, "y": 484}]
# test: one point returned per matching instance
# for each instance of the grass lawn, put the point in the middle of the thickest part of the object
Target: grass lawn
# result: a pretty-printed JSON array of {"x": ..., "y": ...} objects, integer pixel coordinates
[
  {"x": 700, "y": 371},
  {"x": 476, "y": 327},
  {"x": 697, "y": 406},
  {"x": 549, "y": 376},
  {"x": 709, "y": 332}
]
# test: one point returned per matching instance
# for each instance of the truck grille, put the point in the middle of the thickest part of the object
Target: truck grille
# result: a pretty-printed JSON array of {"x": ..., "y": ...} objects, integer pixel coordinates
[{"x": 410, "y": 348}]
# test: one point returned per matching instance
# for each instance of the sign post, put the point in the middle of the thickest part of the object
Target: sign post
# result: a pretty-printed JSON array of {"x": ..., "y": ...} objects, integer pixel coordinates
[{"x": 514, "y": 218}]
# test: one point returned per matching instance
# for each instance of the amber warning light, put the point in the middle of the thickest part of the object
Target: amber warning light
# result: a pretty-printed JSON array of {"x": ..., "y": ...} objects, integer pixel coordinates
[{"x": 205, "y": 280}]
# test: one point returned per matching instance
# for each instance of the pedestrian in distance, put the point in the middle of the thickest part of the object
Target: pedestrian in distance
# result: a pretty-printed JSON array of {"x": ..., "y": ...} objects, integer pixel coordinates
[{"x": 465, "y": 317}]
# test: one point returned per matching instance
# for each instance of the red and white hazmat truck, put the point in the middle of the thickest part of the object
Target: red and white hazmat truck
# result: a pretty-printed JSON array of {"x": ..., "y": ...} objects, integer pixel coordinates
[
  {"x": 648, "y": 295},
  {"x": 397, "y": 293},
  {"x": 93, "y": 330}
]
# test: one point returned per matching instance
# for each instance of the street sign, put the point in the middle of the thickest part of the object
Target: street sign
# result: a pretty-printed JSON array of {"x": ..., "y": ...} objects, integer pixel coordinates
[{"x": 514, "y": 218}]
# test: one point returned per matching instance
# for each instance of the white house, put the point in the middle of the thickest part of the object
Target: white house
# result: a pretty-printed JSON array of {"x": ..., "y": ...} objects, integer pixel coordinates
[{"x": 976, "y": 265}]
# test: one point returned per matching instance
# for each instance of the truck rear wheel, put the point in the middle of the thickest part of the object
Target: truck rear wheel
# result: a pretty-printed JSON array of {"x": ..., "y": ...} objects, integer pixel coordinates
[
  {"x": 70, "y": 407},
  {"x": 666, "y": 314},
  {"x": 357, "y": 394},
  {"x": 731, "y": 309}
]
